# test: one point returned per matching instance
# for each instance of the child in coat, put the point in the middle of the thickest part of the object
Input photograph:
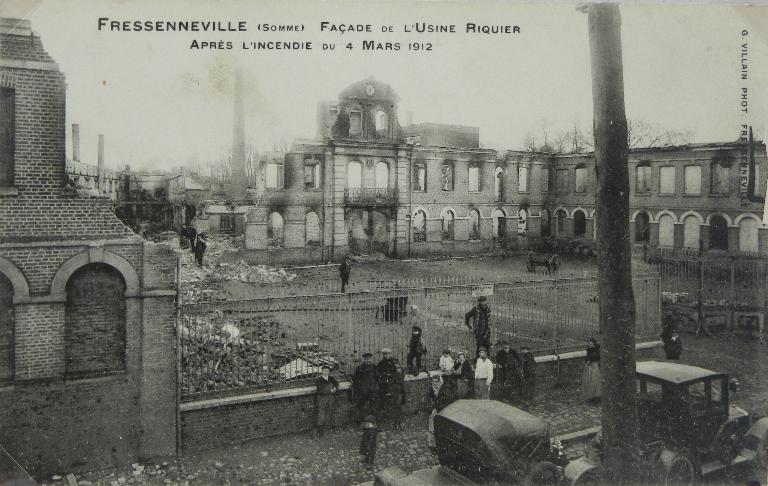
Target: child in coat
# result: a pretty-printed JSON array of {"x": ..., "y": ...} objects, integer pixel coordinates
[{"x": 368, "y": 439}]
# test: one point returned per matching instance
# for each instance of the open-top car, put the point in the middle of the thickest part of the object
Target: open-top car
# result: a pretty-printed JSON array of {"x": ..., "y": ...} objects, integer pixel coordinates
[
  {"x": 687, "y": 427},
  {"x": 482, "y": 440}
]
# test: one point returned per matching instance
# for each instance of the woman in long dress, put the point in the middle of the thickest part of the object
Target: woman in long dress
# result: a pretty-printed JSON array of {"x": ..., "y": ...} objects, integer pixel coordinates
[{"x": 590, "y": 381}]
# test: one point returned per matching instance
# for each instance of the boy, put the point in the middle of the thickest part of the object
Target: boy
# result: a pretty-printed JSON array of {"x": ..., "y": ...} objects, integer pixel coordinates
[
  {"x": 415, "y": 350},
  {"x": 326, "y": 388},
  {"x": 368, "y": 440},
  {"x": 446, "y": 362}
]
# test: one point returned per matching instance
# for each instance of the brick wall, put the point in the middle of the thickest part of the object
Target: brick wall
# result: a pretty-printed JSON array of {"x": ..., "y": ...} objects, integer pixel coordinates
[{"x": 214, "y": 423}]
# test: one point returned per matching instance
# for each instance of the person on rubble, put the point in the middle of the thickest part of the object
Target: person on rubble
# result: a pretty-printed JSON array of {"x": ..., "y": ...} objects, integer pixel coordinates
[
  {"x": 192, "y": 236},
  {"x": 365, "y": 387},
  {"x": 344, "y": 271},
  {"x": 200, "y": 247},
  {"x": 481, "y": 324}
]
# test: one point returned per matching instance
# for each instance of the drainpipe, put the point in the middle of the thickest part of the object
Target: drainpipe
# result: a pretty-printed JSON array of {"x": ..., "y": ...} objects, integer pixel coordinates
[{"x": 410, "y": 198}]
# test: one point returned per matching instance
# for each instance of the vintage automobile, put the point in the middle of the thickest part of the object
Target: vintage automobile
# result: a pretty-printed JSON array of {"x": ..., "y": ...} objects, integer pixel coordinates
[
  {"x": 485, "y": 440},
  {"x": 688, "y": 429}
]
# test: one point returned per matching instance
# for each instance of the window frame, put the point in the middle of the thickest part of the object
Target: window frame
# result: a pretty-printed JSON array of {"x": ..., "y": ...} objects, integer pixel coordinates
[
  {"x": 478, "y": 186},
  {"x": 646, "y": 168},
  {"x": 685, "y": 179},
  {"x": 674, "y": 180},
  {"x": 415, "y": 177},
  {"x": 452, "y": 184},
  {"x": 10, "y": 182},
  {"x": 279, "y": 173},
  {"x": 316, "y": 175},
  {"x": 585, "y": 182},
  {"x": 523, "y": 187},
  {"x": 715, "y": 178}
]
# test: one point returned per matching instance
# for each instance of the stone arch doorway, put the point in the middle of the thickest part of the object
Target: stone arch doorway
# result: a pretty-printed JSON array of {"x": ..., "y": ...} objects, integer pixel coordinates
[
  {"x": 369, "y": 231},
  {"x": 718, "y": 233}
]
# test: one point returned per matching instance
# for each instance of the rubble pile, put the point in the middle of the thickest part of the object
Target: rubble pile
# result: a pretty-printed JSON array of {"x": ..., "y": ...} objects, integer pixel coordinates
[
  {"x": 204, "y": 284},
  {"x": 365, "y": 258},
  {"x": 218, "y": 356}
]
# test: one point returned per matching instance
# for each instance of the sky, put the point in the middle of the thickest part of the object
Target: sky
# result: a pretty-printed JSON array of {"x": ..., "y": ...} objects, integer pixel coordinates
[{"x": 161, "y": 104}]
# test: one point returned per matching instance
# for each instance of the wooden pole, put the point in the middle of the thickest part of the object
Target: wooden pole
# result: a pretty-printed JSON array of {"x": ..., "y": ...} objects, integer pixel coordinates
[{"x": 616, "y": 298}]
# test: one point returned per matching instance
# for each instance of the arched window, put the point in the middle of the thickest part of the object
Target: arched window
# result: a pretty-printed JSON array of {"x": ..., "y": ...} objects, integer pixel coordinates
[
  {"x": 718, "y": 233},
  {"x": 7, "y": 328},
  {"x": 546, "y": 222},
  {"x": 94, "y": 322},
  {"x": 382, "y": 123},
  {"x": 312, "y": 229},
  {"x": 666, "y": 230},
  {"x": 522, "y": 222},
  {"x": 642, "y": 228},
  {"x": 354, "y": 175},
  {"x": 499, "y": 224},
  {"x": 747, "y": 235},
  {"x": 499, "y": 183},
  {"x": 561, "y": 215},
  {"x": 691, "y": 232},
  {"x": 579, "y": 224},
  {"x": 355, "y": 123},
  {"x": 420, "y": 226},
  {"x": 448, "y": 220},
  {"x": 474, "y": 225},
  {"x": 381, "y": 175},
  {"x": 275, "y": 230}
]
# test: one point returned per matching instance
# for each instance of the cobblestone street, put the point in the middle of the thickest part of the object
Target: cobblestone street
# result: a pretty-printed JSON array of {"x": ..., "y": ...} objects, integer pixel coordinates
[{"x": 304, "y": 459}]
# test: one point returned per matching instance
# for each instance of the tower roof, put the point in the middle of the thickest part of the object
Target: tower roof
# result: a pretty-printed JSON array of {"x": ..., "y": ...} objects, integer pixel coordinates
[{"x": 369, "y": 88}]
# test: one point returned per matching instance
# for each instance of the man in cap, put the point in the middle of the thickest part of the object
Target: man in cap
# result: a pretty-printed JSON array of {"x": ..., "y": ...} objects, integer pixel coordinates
[
  {"x": 365, "y": 386},
  {"x": 389, "y": 374},
  {"x": 481, "y": 323},
  {"x": 508, "y": 366},
  {"x": 483, "y": 375}
]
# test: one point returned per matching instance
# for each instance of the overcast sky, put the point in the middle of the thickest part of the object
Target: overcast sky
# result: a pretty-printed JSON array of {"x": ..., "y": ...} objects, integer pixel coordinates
[{"x": 161, "y": 104}]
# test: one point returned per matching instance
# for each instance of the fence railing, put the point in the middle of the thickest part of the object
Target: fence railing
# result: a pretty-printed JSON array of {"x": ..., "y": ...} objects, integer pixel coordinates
[
  {"x": 239, "y": 346},
  {"x": 719, "y": 278}
]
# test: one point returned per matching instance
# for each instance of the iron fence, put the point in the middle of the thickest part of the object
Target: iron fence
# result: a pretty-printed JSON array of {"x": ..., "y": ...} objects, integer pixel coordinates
[
  {"x": 240, "y": 346},
  {"x": 716, "y": 278}
]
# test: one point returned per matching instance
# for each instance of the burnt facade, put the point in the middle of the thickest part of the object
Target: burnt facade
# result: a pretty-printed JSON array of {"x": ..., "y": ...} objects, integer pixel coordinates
[{"x": 367, "y": 184}]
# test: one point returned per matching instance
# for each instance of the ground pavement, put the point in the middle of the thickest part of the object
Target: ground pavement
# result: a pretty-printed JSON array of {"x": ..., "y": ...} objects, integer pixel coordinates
[{"x": 333, "y": 459}]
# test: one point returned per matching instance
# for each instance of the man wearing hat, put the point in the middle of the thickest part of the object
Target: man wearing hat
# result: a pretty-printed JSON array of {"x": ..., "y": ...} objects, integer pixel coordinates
[
  {"x": 365, "y": 386},
  {"x": 481, "y": 324},
  {"x": 390, "y": 378},
  {"x": 326, "y": 389}
]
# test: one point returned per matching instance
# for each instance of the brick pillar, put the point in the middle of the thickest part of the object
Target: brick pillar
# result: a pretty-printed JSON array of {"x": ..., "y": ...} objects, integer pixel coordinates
[
  {"x": 704, "y": 235},
  {"x": 733, "y": 238},
  {"x": 762, "y": 240},
  {"x": 654, "y": 233},
  {"x": 569, "y": 226},
  {"x": 512, "y": 229},
  {"x": 679, "y": 237}
]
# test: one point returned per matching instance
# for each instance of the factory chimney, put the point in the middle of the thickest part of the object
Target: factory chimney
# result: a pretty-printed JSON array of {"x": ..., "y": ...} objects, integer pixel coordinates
[
  {"x": 100, "y": 166},
  {"x": 238, "y": 130},
  {"x": 76, "y": 142}
]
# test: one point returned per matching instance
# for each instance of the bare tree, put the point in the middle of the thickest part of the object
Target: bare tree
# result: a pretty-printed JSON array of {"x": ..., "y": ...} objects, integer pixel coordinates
[
  {"x": 642, "y": 134},
  {"x": 616, "y": 296}
]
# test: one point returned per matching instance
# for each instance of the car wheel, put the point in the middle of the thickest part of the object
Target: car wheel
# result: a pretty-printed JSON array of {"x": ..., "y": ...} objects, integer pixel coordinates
[
  {"x": 589, "y": 478},
  {"x": 543, "y": 473},
  {"x": 682, "y": 472}
]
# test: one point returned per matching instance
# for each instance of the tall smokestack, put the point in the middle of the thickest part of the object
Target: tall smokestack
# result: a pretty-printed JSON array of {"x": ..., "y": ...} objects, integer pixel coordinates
[
  {"x": 76, "y": 142},
  {"x": 100, "y": 166},
  {"x": 238, "y": 129}
]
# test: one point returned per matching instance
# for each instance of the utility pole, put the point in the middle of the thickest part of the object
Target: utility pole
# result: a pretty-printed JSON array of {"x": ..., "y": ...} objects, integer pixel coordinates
[{"x": 616, "y": 296}]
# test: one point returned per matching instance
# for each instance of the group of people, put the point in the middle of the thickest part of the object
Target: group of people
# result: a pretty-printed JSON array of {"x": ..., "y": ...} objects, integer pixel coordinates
[{"x": 196, "y": 242}]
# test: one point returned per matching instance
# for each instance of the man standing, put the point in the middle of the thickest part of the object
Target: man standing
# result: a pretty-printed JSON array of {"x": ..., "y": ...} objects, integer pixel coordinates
[
  {"x": 483, "y": 375},
  {"x": 344, "y": 270},
  {"x": 365, "y": 387},
  {"x": 192, "y": 235},
  {"x": 199, "y": 248},
  {"x": 415, "y": 350},
  {"x": 326, "y": 388},
  {"x": 481, "y": 323},
  {"x": 508, "y": 365},
  {"x": 389, "y": 379}
]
